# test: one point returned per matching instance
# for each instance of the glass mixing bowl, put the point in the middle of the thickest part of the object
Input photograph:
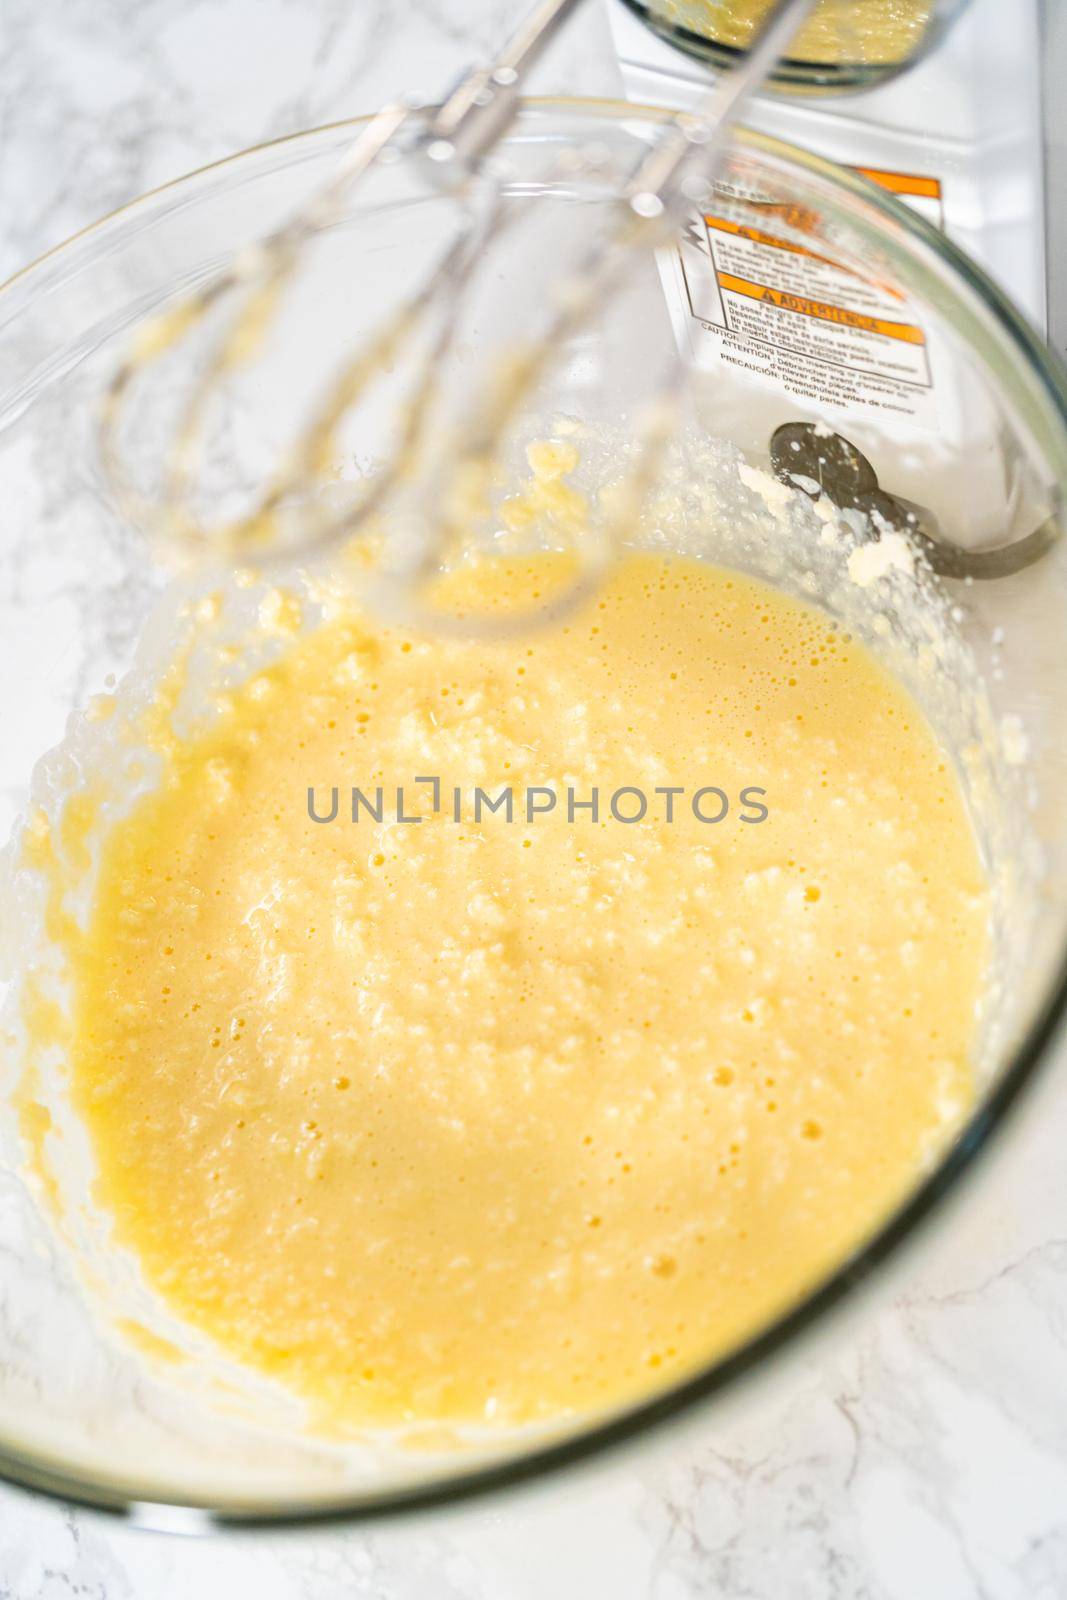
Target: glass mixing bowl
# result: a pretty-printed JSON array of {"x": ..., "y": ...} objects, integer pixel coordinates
[
  {"x": 711, "y": 31},
  {"x": 964, "y": 420}
]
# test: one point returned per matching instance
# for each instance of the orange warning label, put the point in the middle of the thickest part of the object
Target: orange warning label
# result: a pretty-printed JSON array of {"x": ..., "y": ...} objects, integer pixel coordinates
[
  {"x": 905, "y": 331},
  {"x": 920, "y": 194},
  {"x": 772, "y": 241},
  {"x": 902, "y": 182},
  {"x": 757, "y": 236},
  {"x": 765, "y": 303}
]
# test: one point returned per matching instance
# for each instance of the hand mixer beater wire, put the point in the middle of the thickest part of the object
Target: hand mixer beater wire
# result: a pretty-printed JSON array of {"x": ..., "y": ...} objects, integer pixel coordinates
[{"x": 453, "y": 143}]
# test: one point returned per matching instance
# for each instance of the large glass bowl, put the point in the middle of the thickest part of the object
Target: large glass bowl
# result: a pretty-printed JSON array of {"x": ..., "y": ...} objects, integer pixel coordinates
[{"x": 89, "y": 1416}]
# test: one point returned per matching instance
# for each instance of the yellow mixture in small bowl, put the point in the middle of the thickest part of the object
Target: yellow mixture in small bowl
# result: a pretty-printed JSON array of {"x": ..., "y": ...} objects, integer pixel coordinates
[
  {"x": 440, "y": 1114},
  {"x": 837, "y": 33}
]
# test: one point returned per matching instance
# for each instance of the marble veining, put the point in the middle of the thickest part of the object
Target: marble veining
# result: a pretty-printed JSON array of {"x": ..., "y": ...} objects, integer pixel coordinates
[{"x": 922, "y": 1453}]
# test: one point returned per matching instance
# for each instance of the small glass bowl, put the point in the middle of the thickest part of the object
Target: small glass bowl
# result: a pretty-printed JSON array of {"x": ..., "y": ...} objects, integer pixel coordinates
[{"x": 691, "y": 26}]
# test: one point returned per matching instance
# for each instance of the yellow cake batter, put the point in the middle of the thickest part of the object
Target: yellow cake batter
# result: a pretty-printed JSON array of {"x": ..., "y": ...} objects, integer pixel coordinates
[
  {"x": 838, "y": 32},
  {"x": 461, "y": 1121}
]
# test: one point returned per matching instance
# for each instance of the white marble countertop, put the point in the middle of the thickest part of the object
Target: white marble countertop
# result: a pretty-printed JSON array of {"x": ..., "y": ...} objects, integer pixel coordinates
[{"x": 925, "y": 1458}]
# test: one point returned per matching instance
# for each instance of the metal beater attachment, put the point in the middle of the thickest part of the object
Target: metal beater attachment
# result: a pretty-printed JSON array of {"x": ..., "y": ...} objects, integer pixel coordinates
[
  {"x": 818, "y": 463},
  {"x": 452, "y": 144}
]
